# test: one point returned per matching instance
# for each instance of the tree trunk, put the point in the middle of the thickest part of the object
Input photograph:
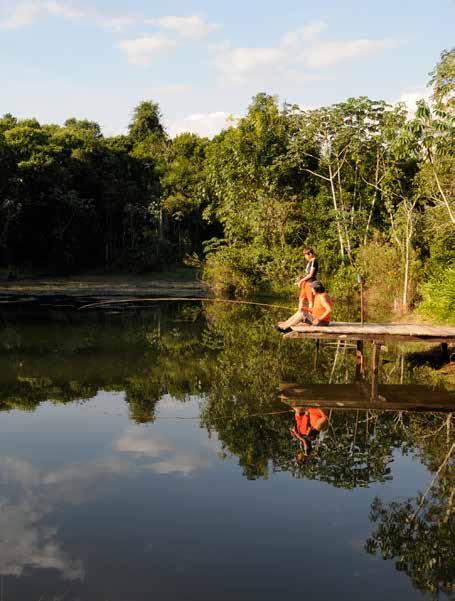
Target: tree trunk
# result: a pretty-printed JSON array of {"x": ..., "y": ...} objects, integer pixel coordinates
[
  {"x": 406, "y": 276},
  {"x": 441, "y": 191},
  {"x": 373, "y": 202},
  {"x": 337, "y": 218}
]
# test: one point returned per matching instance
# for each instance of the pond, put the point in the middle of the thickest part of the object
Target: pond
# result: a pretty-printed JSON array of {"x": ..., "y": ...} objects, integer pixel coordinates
[{"x": 144, "y": 454}]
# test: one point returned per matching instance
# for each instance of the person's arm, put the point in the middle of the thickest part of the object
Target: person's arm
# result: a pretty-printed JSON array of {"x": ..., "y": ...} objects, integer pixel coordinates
[
  {"x": 320, "y": 422},
  {"x": 328, "y": 309}
]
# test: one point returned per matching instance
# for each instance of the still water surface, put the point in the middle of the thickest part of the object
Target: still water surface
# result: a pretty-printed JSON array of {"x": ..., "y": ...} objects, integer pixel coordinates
[{"x": 144, "y": 455}]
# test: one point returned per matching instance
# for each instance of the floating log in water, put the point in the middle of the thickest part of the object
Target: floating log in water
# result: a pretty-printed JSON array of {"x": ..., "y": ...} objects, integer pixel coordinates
[
  {"x": 395, "y": 397},
  {"x": 374, "y": 331}
]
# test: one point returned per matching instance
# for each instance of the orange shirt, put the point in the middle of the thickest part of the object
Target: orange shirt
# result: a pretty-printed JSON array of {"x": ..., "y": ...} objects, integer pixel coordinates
[
  {"x": 318, "y": 308},
  {"x": 308, "y": 421}
]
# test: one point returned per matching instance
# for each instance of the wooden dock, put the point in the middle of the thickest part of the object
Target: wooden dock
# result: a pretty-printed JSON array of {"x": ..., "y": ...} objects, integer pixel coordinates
[
  {"x": 375, "y": 332},
  {"x": 364, "y": 395},
  {"x": 391, "y": 397}
]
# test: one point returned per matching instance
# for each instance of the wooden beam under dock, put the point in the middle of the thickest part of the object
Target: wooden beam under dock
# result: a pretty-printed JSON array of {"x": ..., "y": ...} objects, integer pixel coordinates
[{"x": 395, "y": 397}]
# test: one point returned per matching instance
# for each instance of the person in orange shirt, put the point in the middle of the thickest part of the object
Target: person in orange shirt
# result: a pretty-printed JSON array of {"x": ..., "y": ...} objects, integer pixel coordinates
[
  {"x": 309, "y": 423},
  {"x": 318, "y": 315}
]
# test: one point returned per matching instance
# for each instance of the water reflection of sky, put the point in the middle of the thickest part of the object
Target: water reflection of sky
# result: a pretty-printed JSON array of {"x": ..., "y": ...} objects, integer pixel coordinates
[{"x": 101, "y": 508}]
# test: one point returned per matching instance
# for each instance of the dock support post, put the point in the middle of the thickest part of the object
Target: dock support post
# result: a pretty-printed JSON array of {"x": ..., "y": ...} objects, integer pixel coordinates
[
  {"x": 445, "y": 352},
  {"x": 316, "y": 353},
  {"x": 375, "y": 370},
  {"x": 360, "y": 366}
]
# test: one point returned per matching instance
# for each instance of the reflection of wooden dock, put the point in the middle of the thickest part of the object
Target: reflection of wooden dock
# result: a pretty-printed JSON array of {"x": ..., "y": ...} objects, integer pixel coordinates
[
  {"x": 395, "y": 397},
  {"x": 375, "y": 331}
]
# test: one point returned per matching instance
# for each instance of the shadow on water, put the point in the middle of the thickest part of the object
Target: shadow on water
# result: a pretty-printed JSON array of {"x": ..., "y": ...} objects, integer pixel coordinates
[{"x": 219, "y": 368}]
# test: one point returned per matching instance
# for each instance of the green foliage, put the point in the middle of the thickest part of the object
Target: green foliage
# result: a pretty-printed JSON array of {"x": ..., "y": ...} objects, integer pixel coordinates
[
  {"x": 71, "y": 199},
  {"x": 438, "y": 295},
  {"x": 443, "y": 80},
  {"x": 235, "y": 270},
  {"x": 342, "y": 284},
  {"x": 146, "y": 125},
  {"x": 369, "y": 189},
  {"x": 376, "y": 261}
]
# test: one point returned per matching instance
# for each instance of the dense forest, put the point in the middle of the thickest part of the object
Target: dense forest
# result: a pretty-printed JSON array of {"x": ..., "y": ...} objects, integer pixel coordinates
[{"x": 371, "y": 189}]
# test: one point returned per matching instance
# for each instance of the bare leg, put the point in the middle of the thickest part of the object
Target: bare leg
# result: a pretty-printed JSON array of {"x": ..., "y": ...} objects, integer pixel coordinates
[{"x": 298, "y": 317}]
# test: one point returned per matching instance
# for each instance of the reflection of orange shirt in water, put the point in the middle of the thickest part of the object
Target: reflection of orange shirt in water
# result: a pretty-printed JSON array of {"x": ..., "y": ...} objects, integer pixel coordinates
[{"x": 308, "y": 421}]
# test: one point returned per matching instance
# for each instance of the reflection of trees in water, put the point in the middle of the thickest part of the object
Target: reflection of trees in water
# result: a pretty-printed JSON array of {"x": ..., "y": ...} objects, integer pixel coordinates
[
  {"x": 355, "y": 450},
  {"x": 145, "y": 356},
  {"x": 419, "y": 533}
]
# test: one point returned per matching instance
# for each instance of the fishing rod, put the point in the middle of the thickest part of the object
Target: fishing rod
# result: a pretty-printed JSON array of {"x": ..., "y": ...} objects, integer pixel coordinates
[
  {"x": 180, "y": 298},
  {"x": 193, "y": 417}
]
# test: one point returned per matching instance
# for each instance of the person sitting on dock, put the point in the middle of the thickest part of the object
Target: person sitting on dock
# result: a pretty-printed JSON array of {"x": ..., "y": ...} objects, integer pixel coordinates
[
  {"x": 318, "y": 315},
  {"x": 309, "y": 423},
  {"x": 311, "y": 273}
]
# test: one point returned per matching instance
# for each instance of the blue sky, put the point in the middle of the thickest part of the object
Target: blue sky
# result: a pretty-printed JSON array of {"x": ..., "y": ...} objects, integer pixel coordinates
[{"x": 204, "y": 60}]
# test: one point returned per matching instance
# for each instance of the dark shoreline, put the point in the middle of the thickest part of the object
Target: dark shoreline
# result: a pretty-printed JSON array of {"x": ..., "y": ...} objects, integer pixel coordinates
[{"x": 83, "y": 289}]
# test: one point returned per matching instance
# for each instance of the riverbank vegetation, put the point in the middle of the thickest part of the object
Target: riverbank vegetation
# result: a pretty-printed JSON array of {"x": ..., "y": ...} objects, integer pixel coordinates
[{"x": 369, "y": 188}]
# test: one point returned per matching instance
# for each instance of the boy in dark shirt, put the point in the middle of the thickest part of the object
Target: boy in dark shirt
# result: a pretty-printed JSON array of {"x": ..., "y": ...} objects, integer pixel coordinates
[{"x": 304, "y": 283}]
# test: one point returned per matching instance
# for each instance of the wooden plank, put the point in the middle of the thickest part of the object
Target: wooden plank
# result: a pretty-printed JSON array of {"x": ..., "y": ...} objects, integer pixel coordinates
[
  {"x": 374, "y": 331},
  {"x": 401, "y": 397}
]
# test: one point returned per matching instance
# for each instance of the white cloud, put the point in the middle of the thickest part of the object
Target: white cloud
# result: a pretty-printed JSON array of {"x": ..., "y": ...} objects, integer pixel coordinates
[
  {"x": 117, "y": 23},
  {"x": 411, "y": 98},
  {"x": 141, "y": 51},
  {"x": 203, "y": 124},
  {"x": 328, "y": 54},
  {"x": 65, "y": 10},
  {"x": 23, "y": 13},
  {"x": 26, "y": 13},
  {"x": 245, "y": 60},
  {"x": 237, "y": 64},
  {"x": 193, "y": 27},
  {"x": 313, "y": 29},
  {"x": 295, "y": 50},
  {"x": 72, "y": 11},
  {"x": 168, "y": 88}
]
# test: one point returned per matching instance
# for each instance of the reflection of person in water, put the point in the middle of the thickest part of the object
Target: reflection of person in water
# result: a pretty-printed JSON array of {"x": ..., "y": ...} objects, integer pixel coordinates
[{"x": 308, "y": 425}]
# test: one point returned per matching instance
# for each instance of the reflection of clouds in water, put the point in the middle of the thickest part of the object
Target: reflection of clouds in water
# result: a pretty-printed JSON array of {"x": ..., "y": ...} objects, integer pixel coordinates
[
  {"x": 25, "y": 542},
  {"x": 15, "y": 471},
  {"x": 184, "y": 463},
  {"x": 167, "y": 401},
  {"x": 80, "y": 472},
  {"x": 146, "y": 442},
  {"x": 135, "y": 440}
]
